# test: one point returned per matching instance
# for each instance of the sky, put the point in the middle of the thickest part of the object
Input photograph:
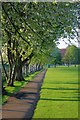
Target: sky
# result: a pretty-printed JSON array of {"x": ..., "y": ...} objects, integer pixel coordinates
[{"x": 64, "y": 45}]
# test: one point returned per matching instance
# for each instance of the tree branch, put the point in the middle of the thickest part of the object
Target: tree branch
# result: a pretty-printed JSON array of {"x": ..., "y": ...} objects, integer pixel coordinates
[
  {"x": 26, "y": 22},
  {"x": 15, "y": 26},
  {"x": 28, "y": 58}
]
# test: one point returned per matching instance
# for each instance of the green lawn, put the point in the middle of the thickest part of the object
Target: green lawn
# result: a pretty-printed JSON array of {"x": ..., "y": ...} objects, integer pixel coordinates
[{"x": 59, "y": 94}]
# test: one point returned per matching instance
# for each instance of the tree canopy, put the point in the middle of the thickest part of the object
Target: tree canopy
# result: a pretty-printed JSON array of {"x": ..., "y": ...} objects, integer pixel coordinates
[
  {"x": 71, "y": 55},
  {"x": 31, "y": 30}
]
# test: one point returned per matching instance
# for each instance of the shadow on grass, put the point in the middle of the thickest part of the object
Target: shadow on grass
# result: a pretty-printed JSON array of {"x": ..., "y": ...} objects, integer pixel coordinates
[
  {"x": 41, "y": 118},
  {"x": 24, "y": 96},
  {"x": 61, "y": 88},
  {"x": 59, "y": 99},
  {"x": 74, "y": 97},
  {"x": 63, "y": 82},
  {"x": 17, "y": 85},
  {"x": 71, "y": 92}
]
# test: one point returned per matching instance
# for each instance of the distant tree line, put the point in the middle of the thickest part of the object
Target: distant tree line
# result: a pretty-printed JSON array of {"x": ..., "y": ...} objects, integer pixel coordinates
[{"x": 71, "y": 56}]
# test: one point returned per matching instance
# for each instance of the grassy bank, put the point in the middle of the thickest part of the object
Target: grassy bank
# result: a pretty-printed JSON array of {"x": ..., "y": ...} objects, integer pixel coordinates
[
  {"x": 17, "y": 86},
  {"x": 59, "y": 94}
]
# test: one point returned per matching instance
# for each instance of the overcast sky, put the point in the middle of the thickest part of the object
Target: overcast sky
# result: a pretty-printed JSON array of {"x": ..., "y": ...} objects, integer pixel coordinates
[{"x": 64, "y": 45}]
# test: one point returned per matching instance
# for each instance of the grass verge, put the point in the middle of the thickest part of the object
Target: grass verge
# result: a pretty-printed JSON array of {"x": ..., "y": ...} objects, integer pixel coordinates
[
  {"x": 17, "y": 86},
  {"x": 59, "y": 94}
]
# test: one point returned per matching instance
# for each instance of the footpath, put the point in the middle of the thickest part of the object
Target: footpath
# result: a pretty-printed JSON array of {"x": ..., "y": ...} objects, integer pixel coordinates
[{"x": 22, "y": 104}]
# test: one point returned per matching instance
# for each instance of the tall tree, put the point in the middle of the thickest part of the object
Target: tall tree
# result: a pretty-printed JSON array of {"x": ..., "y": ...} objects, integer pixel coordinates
[
  {"x": 71, "y": 55},
  {"x": 55, "y": 56},
  {"x": 37, "y": 28}
]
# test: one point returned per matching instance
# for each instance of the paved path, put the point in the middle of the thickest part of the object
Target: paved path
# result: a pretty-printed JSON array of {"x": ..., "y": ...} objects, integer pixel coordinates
[{"x": 22, "y": 104}]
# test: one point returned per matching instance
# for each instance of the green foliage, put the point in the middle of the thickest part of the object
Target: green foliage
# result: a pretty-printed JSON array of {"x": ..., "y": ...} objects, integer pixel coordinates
[
  {"x": 56, "y": 56},
  {"x": 32, "y": 30},
  {"x": 71, "y": 55},
  {"x": 39, "y": 25}
]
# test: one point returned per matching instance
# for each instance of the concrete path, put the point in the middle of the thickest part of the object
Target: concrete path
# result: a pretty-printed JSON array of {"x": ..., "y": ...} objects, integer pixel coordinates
[{"x": 23, "y": 104}]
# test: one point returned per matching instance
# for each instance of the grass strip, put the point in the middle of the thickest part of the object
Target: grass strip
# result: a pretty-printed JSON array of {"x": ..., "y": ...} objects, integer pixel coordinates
[{"x": 17, "y": 86}]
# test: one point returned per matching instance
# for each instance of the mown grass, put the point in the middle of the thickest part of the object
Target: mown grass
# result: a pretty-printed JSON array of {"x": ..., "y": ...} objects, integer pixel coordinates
[
  {"x": 17, "y": 86},
  {"x": 59, "y": 94}
]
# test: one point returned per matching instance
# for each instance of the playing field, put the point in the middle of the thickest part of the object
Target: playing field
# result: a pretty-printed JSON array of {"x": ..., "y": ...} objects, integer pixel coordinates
[{"x": 59, "y": 94}]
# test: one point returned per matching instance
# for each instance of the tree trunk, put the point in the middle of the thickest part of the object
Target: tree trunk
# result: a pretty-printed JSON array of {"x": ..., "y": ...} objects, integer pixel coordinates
[
  {"x": 75, "y": 64},
  {"x": 55, "y": 65},
  {"x": 27, "y": 68},
  {"x": 20, "y": 64},
  {"x": 19, "y": 76},
  {"x": 68, "y": 64},
  {"x": 38, "y": 67},
  {"x": 11, "y": 80},
  {"x": 3, "y": 90}
]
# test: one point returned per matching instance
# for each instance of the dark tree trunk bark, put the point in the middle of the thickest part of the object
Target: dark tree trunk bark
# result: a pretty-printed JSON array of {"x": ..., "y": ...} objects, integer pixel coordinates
[
  {"x": 10, "y": 60},
  {"x": 27, "y": 68},
  {"x": 75, "y": 64},
  {"x": 55, "y": 65},
  {"x": 11, "y": 81},
  {"x": 68, "y": 64},
  {"x": 3, "y": 91},
  {"x": 36, "y": 67},
  {"x": 20, "y": 64},
  {"x": 19, "y": 76}
]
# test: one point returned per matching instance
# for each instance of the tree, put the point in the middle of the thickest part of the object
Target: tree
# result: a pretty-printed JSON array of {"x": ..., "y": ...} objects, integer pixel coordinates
[
  {"x": 38, "y": 27},
  {"x": 71, "y": 55},
  {"x": 55, "y": 56},
  {"x": 78, "y": 55}
]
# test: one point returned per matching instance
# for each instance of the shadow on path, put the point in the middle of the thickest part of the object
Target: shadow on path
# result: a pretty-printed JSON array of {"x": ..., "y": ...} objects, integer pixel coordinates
[{"x": 23, "y": 104}]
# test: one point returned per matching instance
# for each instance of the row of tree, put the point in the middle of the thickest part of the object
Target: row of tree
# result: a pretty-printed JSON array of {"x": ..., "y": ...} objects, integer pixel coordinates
[
  {"x": 71, "y": 56},
  {"x": 30, "y": 32}
]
